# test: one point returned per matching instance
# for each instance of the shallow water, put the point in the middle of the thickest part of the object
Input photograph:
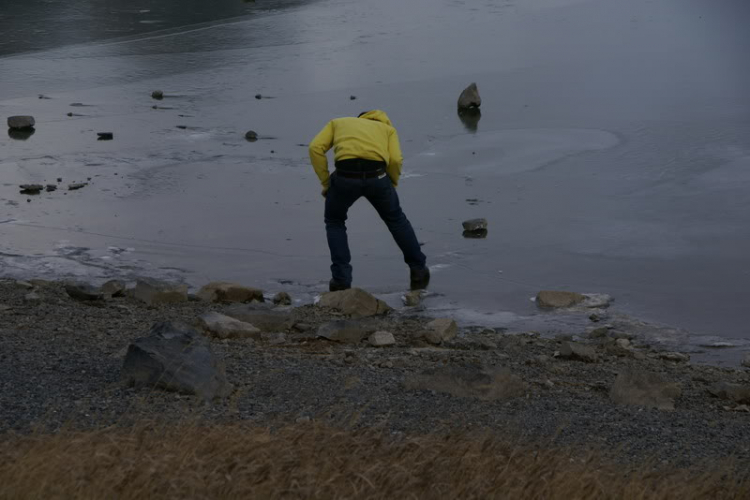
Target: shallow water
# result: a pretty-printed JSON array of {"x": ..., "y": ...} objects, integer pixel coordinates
[{"x": 612, "y": 154}]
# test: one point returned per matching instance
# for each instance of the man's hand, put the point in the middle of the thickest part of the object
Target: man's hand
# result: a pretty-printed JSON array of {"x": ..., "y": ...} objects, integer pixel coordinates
[{"x": 324, "y": 192}]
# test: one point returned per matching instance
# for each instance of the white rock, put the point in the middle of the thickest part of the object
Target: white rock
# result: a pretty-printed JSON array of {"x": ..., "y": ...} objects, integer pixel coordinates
[
  {"x": 224, "y": 327},
  {"x": 382, "y": 339}
]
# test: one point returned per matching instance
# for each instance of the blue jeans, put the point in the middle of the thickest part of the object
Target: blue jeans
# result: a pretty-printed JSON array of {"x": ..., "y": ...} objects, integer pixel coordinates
[{"x": 381, "y": 194}]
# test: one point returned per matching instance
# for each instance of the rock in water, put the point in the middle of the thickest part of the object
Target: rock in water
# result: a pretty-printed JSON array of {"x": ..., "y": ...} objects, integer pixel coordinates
[
  {"x": 21, "y": 122},
  {"x": 83, "y": 292},
  {"x": 154, "y": 292},
  {"x": 177, "y": 358},
  {"x": 475, "y": 224},
  {"x": 474, "y": 382},
  {"x": 225, "y": 327},
  {"x": 641, "y": 388},
  {"x": 251, "y": 136},
  {"x": 76, "y": 186},
  {"x": 413, "y": 298},
  {"x": 31, "y": 188},
  {"x": 157, "y": 94},
  {"x": 229, "y": 293},
  {"x": 469, "y": 98},
  {"x": 282, "y": 299},
  {"x": 354, "y": 302},
  {"x": 559, "y": 299},
  {"x": 105, "y": 136}
]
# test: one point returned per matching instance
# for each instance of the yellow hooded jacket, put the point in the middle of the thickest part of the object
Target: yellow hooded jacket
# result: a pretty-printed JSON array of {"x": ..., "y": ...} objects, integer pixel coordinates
[{"x": 370, "y": 137}]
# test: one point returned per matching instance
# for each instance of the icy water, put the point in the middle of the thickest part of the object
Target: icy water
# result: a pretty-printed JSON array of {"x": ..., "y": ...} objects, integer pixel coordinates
[{"x": 612, "y": 154}]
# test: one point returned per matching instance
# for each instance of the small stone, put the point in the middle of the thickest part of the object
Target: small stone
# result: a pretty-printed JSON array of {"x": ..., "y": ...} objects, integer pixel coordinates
[
  {"x": 474, "y": 225},
  {"x": 578, "y": 352},
  {"x": 273, "y": 338},
  {"x": 382, "y": 339},
  {"x": 440, "y": 330},
  {"x": 622, "y": 335},
  {"x": 83, "y": 292},
  {"x": 258, "y": 96},
  {"x": 347, "y": 331},
  {"x": 59, "y": 179},
  {"x": 51, "y": 187},
  {"x": 157, "y": 94},
  {"x": 623, "y": 343},
  {"x": 597, "y": 333},
  {"x": 470, "y": 98},
  {"x": 352, "y": 97},
  {"x": 354, "y": 302},
  {"x": 76, "y": 186},
  {"x": 251, "y": 135},
  {"x": 558, "y": 299},
  {"x": 678, "y": 357},
  {"x": 639, "y": 356},
  {"x": 282, "y": 299},
  {"x": 21, "y": 122},
  {"x": 225, "y": 327},
  {"x": 31, "y": 188}
]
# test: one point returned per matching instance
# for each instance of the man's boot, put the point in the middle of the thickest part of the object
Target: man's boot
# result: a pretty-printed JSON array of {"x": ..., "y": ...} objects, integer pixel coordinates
[
  {"x": 337, "y": 286},
  {"x": 420, "y": 278}
]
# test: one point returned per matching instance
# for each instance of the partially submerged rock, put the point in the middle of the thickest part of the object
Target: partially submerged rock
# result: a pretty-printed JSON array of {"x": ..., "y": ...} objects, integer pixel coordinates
[
  {"x": 225, "y": 327},
  {"x": 469, "y": 97},
  {"x": 578, "y": 352},
  {"x": 21, "y": 122},
  {"x": 31, "y": 188},
  {"x": 228, "y": 293},
  {"x": 474, "y": 225},
  {"x": 76, "y": 186},
  {"x": 251, "y": 135},
  {"x": 354, "y": 302},
  {"x": 282, "y": 299},
  {"x": 472, "y": 382},
  {"x": 558, "y": 299},
  {"x": 413, "y": 298},
  {"x": 177, "y": 358},
  {"x": 637, "y": 387},
  {"x": 157, "y": 94},
  {"x": 154, "y": 292}
]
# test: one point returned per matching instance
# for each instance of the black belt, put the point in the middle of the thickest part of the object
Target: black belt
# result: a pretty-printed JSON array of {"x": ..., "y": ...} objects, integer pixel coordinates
[
  {"x": 360, "y": 165},
  {"x": 368, "y": 174}
]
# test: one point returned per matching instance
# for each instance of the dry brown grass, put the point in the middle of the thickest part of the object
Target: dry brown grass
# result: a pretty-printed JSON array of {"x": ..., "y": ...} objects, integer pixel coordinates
[{"x": 315, "y": 461}]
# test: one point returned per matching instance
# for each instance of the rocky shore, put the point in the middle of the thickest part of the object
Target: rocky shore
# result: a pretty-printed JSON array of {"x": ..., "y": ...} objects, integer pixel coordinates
[{"x": 86, "y": 357}]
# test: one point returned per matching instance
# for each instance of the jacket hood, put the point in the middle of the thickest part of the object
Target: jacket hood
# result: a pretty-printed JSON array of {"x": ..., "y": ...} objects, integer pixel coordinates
[{"x": 377, "y": 115}]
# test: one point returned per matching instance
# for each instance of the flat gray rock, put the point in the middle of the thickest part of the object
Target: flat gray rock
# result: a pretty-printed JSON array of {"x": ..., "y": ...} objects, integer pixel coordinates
[
  {"x": 154, "y": 292},
  {"x": 348, "y": 331},
  {"x": 177, "y": 358},
  {"x": 265, "y": 320},
  {"x": 226, "y": 327}
]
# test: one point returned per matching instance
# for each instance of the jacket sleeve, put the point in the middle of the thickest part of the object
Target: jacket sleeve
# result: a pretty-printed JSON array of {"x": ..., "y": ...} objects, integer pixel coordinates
[
  {"x": 318, "y": 149},
  {"x": 396, "y": 159}
]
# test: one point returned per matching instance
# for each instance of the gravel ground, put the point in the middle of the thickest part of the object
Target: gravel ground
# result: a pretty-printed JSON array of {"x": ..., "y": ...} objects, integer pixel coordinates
[{"x": 60, "y": 365}]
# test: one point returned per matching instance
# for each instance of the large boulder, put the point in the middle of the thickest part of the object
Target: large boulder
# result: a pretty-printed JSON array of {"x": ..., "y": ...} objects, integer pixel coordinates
[
  {"x": 177, "y": 358},
  {"x": 154, "y": 292},
  {"x": 559, "y": 299},
  {"x": 637, "y": 387},
  {"x": 354, "y": 302},
  {"x": 225, "y": 327},
  {"x": 21, "y": 122},
  {"x": 469, "y": 98},
  {"x": 472, "y": 382},
  {"x": 265, "y": 320},
  {"x": 738, "y": 393},
  {"x": 229, "y": 293},
  {"x": 348, "y": 331}
]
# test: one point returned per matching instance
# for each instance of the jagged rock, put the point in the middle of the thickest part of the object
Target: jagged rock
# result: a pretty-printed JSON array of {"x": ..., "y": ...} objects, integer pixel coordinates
[
  {"x": 114, "y": 288},
  {"x": 157, "y": 94},
  {"x": 177, "y": 358},
  {"x": 266, "y": 320},
  {"x": 440, "y": 330},
  {"x": 382, "y": 339},
  {"x": 738, "y": 393},
  {"x": 473, "y": 382},
  {"x": 637, "y": 387},
  {"x": 225, "y": 327},
  {"x": 347, "y": 331},
  {"x": 282, "y": 299},
  {"x": 154, "y": 292},
  {"x": 354, "y": 302},
  {"x": 470, "y": 98},
  {"x": 21, "y": 122},
  {"x": 678, "y": 357},
  {"x": 83, "y": 292},
  {"x": 31, "y": 188},
  {"x": 475, "y": 225},
  {"x": 559, "y": 299},
  {"x": 578, "y": 352},
  {"x": 229, "y": 293}
]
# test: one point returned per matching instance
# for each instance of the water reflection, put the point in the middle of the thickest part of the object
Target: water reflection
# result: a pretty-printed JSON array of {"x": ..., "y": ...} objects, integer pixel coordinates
[
  {"x": 20, "y": 134},
  {"x": 470, "y": 118}
]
